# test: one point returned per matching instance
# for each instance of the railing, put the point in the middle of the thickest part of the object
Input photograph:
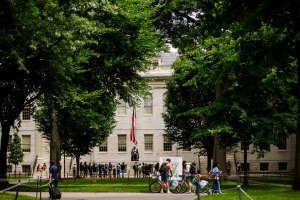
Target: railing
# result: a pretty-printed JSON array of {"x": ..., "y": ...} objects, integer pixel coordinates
[
  {"x": 15, "y": 186},
  {"x": 19, "y": 174}
]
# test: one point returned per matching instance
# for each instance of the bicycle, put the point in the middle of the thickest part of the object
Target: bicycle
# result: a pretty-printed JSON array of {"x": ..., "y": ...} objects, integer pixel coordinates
[
  {"x": 183, "y": 184},
  {"x": 155, "y": 185},
  {"x": 201, "y": 187}
]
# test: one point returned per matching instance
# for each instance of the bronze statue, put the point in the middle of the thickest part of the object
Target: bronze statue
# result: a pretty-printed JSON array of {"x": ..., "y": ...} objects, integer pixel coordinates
[{"x": 134, "y": 154}]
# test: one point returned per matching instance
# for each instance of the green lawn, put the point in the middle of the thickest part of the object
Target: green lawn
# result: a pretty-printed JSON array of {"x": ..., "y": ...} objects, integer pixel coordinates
[
  {"x": 98, "y": 185},
  {"x": 273, "y": 179},
  {"x": 256, "y": 191},
  {"x": 12, "y": 197}
]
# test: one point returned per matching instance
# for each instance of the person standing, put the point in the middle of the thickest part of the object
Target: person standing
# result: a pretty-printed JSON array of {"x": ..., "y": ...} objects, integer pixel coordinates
[
  {"x": 122, "y": 169},
  {"x": 74, "y": 171},
  {"x": 53, "y": 176},
  {"x": 215, "y": 174},
  {"x": 187, "y": 175},
  {"x": 110, "y": 168},
  {"x": 228, "y": 168},
  {"x": 44, "y": 167},
  {"x": 156, "y": 167},
  {"x": 238, "y": 168},
  {"x": 143, "y": 170},
  {"x": 118, "y": 170},
  {"x": 136, "y": 169},
  {"x": 165, "y": 173}
]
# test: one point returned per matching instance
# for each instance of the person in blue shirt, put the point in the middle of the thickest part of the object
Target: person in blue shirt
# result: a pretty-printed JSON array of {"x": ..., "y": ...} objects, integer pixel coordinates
[
  {"x": 53, "y": 175},
  {"x": 215, "y": 175}
]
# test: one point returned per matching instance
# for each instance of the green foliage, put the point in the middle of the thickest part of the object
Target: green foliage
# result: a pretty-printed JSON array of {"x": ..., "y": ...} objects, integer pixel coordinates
[
  {"x": 75, "y": 54},
  {"x": 120, "y": 43},
  {"x": 16, "y": 154},
  {"x": 248, "y": 57}
]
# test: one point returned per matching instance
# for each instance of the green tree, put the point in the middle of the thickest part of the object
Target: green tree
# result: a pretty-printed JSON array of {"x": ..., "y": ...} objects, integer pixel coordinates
[
  {"x": 16, "y": 154},
  {"x": 45, "y": 45},
  {"x": 268, "y": 38},
  {"x": 19, "y": 81},
  {"x": 183, "y": 96},
  {"x": 121, "y": 43},
  {"x": 83, "y": 124}
]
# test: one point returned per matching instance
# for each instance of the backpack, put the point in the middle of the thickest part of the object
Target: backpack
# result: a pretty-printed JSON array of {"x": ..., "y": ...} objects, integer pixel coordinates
[
  {"x": 192, "y": 169},
  {"x": 163, "y": 169}
]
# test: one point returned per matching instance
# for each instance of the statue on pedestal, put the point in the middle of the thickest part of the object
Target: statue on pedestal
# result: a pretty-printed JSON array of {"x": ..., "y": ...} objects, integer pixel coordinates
[{"x": 134, "y": 154}]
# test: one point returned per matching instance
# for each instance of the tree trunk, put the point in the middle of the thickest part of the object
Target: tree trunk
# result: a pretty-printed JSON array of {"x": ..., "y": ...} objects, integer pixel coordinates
[
  {"x": 209, "y": 157},
  {"x": 246, "y": 183},
  {"x": 77, "y": 164},
  {"x": 55, "y": 137},
  {"x": 296, "y": 185},
  {"x": 5, "y": 128},
  {"x": 219, "y": 153},
  {"x": 15, "y": 170}
]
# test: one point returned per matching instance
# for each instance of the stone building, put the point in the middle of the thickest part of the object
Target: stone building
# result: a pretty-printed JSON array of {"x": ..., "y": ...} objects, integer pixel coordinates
[{"x": 149, "y": 132}]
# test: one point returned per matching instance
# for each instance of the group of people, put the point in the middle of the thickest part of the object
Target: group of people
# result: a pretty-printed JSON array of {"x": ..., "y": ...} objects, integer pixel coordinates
[
  {"x": 41, "y": 167},
  {"x": 100, "y": 170},
  {"x": 190, "y": 174},
  {"x": 142, "y": 169},
  {"x": 165, "y": 171}
]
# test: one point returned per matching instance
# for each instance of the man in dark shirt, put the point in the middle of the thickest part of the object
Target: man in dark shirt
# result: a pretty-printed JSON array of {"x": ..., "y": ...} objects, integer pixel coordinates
[{"x": 53, "y": 175}]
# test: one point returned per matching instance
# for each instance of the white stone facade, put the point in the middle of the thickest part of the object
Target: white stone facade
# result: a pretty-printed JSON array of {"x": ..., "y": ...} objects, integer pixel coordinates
[{"x": 150, "y": 124}]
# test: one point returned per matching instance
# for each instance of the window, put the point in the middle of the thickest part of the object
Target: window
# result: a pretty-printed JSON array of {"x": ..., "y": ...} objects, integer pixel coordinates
[
  {"x": 26, "y": 169},
  {"x": 282, "y": 142},
  {"x": 167, "y": 144},
  {"x": 103, "y": 146},
  {"x": 26, "y": 143},
  {"x": 148, "y": 138},
  {"x": 26, "y": 113},
  {"x": 243, "y": 146},
  {"x": 122, "y": 143},
  {"x": 264, "y": 167},
  {"x": 121, "y": 108},
  {"x": 154, "y": 64},
  {"x": 282, "y": 166},
  {"x": 148, "y": 104},
  {"x": 9, "y": 143},
  {"x": 9, "y": 168}
]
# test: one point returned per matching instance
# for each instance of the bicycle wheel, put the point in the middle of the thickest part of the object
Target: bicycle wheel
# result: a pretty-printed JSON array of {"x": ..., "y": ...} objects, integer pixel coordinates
[
  {"x": 183, "y": 187},
  {"x": 174, "y": 188},
  {"x": 204, "y": 188},
  {"x": 155, "y": 187}
]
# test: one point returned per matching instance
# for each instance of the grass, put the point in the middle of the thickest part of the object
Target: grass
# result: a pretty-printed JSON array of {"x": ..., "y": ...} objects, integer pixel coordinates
[
  {"x": 135, "y": 185},
  {"x": 12, "y": 197},
  {"x": 98, "y": 185},
  {"x": 273, "y": 179},
  {"x": 257, "y": 192}
]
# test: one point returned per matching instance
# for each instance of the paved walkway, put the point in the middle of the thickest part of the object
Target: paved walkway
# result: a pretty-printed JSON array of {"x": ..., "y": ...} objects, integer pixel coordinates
[{"x": 115, "y": 196}]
